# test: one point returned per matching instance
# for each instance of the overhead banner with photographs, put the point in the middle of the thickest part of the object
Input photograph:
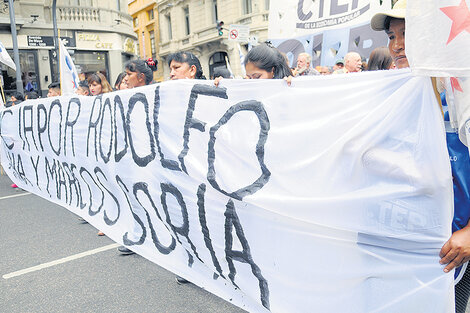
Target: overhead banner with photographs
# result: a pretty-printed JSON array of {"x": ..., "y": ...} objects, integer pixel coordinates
[
  {"x": 289, "y": 19},
  {"x": 332, "y": 195},
  {"x": 326, "y": 30}
]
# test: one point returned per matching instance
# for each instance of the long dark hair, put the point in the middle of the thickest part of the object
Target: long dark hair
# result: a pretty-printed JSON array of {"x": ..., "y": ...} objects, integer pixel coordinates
[
  {"x": 379, "y": 59},
  {"x": 119, "y": 80},
  {"x": 268, "y": 58},
  {"x": 188, "y": 58},
  {"x": 143, "y": 66}
]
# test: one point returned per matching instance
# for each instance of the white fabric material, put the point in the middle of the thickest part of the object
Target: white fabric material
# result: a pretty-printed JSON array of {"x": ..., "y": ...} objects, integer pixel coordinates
[
  {"x": 68, "y": 72},
  {"x": 428, "y": 31},
  {"x": 462, "y": 108},
  {"x": 350, "y": 205},
  {"x": 288, "y": 19},
  {"x": 5, "y": 57}
]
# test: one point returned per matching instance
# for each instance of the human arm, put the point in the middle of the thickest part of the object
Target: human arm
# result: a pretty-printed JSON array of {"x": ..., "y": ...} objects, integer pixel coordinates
[{"x": 456, "y": 250}]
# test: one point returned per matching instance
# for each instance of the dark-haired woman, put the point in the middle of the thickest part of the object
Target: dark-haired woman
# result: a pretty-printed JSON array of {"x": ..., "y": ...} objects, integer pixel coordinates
[
  {"x": 140, "y": 72},
  {"x": 121, "y": 82},
  {"x": 380, "y": 59},
  {"x": 266, "y": 62},
  {"x": 185, "y": 65}
]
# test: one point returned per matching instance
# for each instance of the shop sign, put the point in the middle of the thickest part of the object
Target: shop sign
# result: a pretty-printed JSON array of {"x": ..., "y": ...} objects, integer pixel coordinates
[
  {"x": 48, "y": 41},
  {"x": 95, "y": 38}
]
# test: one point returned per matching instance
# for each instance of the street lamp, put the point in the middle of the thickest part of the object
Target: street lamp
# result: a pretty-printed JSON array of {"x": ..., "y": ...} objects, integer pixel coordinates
[{"x": 16, "y": 54}]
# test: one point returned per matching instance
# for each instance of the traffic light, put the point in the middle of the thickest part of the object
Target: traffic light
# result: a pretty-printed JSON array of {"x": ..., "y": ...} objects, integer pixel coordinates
[{"x": 220, "y": 29}]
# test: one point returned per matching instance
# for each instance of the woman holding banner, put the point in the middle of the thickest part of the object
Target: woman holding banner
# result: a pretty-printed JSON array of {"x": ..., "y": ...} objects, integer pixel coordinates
[
  {"x": 185, "y": 65},
  {"x": 265, "y": 62},
  {"x": 140, "y": 73}
]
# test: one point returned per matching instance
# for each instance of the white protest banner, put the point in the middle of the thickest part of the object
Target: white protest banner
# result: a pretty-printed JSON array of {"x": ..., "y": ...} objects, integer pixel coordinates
[
  {"x": 332, "y": 195},
  {"x": 5, "y": 57},
  {"x": 68, "y": 72},
  {"x": 438, "y": 37},
  {"x": 288, "y": 19}
]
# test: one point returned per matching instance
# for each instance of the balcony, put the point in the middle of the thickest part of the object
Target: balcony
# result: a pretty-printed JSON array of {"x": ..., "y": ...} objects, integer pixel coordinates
[{"x": 92, "y": 18}]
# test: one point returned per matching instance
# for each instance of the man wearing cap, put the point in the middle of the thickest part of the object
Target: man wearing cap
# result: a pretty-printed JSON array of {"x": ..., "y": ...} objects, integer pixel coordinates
[
  {"x": 338, "y": 65},
  {"x": 456, "y": 251},
  {"x": 352, "y": 63}
]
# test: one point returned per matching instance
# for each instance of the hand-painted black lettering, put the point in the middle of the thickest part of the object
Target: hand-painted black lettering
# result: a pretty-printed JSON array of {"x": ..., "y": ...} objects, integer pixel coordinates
[
  {"x": 258, "y": 109},
  {"x": 118, "y": 104},
  {"x": 20, "y": 128},
  {"x": 106, "y": 218},
  {"x": 92, "y": 125},
  {"x": 58, "y": 122},
  {"x": 166, "y": 163},
  {"x": 205, "y": 230},
  {"x": 137, "y": 219},
  {"x": 244, "y": 256},
  {"x": 90, "y": 211},
  {"x": 71, "y": 123},
  {"x": 29, "y": 127},
  {"x": 161, "y": 248},
  {"x": 140, "y": 161},
  {"x": 51, "y": 174},
  {"x": 21, "y": 172},
  {"x": 35, "y": 166},
  {"x": 73, "y": 182},
  {"x": 190, "y": 122},
  {"x": 107, "y": 103},
  {"x": 41, "y": 128},
  {"x": 182, "y": 230},
  {"x": 61, "y": 182},
  {"x": 12, "y": 144}
]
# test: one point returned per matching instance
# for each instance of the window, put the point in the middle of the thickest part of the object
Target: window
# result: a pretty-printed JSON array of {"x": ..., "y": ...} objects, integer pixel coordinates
[
  {"x": 186, "y": 20},
  {"x": 168, "y": 25},
  {"x": 86, "y": 62},
  {"x": 150, "y": 15},
  {"x": 266, "y": 4},
  {"x": 29, "y": 72},
  {"x": 135, "y": 21},
  {"x": 152, "y": 44},
  {"x": 247, "y": 7},
  {"x": 215, "y": 14}
]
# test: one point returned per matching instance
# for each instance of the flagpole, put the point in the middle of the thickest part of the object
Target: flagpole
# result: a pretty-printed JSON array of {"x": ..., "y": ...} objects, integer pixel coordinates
[
  {"x": 16, "y": 54},
  {"x": 3, "y": 94},
  {"x": 60, "y": 61}
]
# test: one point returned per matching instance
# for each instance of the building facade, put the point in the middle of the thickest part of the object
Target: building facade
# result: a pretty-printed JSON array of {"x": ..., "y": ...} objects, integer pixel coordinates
[
  {"x": 98, "y": 34},
  {"x": 191, "y": 25},
  {"x": 145, "y": 25}
]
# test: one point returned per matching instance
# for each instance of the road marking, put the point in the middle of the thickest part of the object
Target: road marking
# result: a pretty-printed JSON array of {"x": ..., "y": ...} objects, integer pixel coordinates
[
  {"x": 14, "y": 196},
  {"x": 60, "y": 261}
]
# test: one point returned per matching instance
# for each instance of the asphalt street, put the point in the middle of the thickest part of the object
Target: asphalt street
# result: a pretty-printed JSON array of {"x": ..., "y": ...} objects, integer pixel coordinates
[{"x": 37, "y": 233}]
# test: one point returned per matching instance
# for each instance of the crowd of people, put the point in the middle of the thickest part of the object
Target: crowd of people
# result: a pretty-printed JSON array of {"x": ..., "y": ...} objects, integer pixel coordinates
[{"x": 267, "y": 62}]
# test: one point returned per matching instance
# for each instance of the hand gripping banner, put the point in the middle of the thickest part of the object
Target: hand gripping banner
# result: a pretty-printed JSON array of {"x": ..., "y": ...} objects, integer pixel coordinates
[{"x": 332, "y": 195}]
